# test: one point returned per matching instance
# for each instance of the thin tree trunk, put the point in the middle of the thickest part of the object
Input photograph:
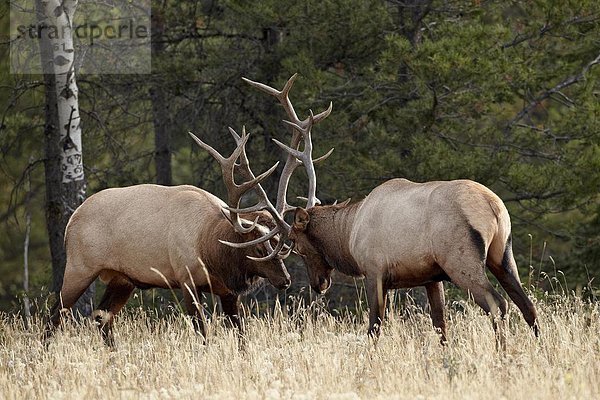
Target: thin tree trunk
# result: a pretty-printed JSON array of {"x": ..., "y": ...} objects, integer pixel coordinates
[
  {"x": 160, "y": 105},
  {"x": 26, "y": 303},
  {"x": 65, "y": 180}
]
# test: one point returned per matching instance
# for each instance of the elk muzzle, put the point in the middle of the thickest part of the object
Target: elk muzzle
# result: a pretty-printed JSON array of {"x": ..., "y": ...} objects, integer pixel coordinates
[{"x": 280, "y": 279}]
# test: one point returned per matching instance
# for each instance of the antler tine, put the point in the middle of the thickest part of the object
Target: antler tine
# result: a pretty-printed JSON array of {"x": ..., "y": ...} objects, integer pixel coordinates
[
  {"x": 255, "y": 182},
  {"x": 275, "y": 253},
  {"x": 281, "y": 95},
  {"x": 216, "y": 155},
  {"x": 282, "y": 228},
  {"x": 245, "y": 171},
  {"x": 305, "y": 157},
  {"x": 252, "y": 242},
  {"x": 235, "y": 191},
  {"x": 244, "y": 163},
  {"x": 244, "y": 168},
  {"x": 300, "y": 131},
  {"x": 261, "y": 205},
  {"x": 323, "y": 157},
  {"x": 308, "y": 164},
  {"x": 241, "y": 228},
  {"x": 323, "y": 114},
  {"x": 289, "y": 167}
]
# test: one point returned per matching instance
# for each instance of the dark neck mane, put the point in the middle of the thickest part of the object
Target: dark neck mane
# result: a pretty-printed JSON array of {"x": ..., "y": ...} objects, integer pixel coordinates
[
  {"x": 227, "y": 264},
  {"x": 329, "y": 230}
]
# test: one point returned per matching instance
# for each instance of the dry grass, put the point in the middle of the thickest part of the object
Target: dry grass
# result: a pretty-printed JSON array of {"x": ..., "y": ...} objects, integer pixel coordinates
[{"x": 303, "y": 357}]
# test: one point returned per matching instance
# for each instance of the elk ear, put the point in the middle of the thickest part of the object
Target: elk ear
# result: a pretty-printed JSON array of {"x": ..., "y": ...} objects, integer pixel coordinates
[{"x": 301, "y": 219}]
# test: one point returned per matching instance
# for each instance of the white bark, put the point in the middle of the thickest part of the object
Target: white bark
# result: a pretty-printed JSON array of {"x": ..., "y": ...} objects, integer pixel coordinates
[
  {"x": 59, "y": 16},
  {"x": 65, "y": 183}
]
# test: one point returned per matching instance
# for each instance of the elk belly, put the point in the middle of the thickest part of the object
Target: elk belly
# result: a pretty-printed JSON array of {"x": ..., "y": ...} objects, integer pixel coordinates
[{"x": 403, "y": 275}]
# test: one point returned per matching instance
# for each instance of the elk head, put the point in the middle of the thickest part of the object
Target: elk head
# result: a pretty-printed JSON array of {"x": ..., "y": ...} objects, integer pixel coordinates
[
  {"x": 270, "y": 245},
  {"x": 273, "y": 269},
  {"x": 252, "y": 237},
  {"x": 319, "y": 270},
  {"x": 298, "y": 233}
]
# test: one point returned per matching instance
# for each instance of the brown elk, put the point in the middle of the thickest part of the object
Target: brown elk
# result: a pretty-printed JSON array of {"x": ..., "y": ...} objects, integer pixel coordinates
[
  {"x": 156, "y": 236},
  {"x": 404, "y": 234}
]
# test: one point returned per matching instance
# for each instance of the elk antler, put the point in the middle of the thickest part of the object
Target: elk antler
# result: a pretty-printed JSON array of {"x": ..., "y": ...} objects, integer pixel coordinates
[
  {"x": 235, "y": 193},
  {"x": 301, "y": 131}
]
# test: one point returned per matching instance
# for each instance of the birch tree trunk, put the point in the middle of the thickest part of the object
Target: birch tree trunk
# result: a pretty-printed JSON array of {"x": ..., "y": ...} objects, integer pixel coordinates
[{"x": 65, "y": 181}]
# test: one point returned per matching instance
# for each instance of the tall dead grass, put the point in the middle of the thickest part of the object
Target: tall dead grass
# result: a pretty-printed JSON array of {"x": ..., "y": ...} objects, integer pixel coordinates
[{"x": 310, "y": 355}]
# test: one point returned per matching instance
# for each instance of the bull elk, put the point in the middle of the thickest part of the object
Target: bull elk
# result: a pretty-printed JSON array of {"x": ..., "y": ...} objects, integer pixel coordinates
[
  {"x": 403, "y": 234},
  {"x": 149, "y": 236}
]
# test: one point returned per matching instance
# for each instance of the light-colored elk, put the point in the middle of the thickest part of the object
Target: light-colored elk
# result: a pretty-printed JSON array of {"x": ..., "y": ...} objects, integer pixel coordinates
[
  {"x": 156, "y": 236},
  {"x": 405, "y": 234}
]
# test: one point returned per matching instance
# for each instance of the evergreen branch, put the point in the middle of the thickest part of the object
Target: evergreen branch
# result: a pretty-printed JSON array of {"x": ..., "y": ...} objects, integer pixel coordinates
[
  {"x": 520, "y": 38},
  {"x": 533, "y": 196},
  {"x": 197, "y": 35},
  {"x": 555, "y": 90}
]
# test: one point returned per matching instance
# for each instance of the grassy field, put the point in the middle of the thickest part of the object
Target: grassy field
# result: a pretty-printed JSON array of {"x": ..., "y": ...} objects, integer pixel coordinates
[{"x": 310, "y": 355}]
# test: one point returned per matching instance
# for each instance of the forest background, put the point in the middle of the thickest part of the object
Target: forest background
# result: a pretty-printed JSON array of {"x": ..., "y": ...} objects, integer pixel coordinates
[{"x": 506, "y": 93}]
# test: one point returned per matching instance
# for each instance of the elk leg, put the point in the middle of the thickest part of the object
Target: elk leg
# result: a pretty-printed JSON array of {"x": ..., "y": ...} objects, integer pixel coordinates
[
  {"x": 377, "y": 296},
  {"x": 194, "y": 310},
  {"x": 470, "y": 276},
  {"x": 115, "y": 296},
  {"x": 53, "y": 321},
  {"x": 231, "y": 309},
  {"x": 74, "y": 285},
  {"x": 509, "y": 279},
  {"x": 435, "y": 294}
]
